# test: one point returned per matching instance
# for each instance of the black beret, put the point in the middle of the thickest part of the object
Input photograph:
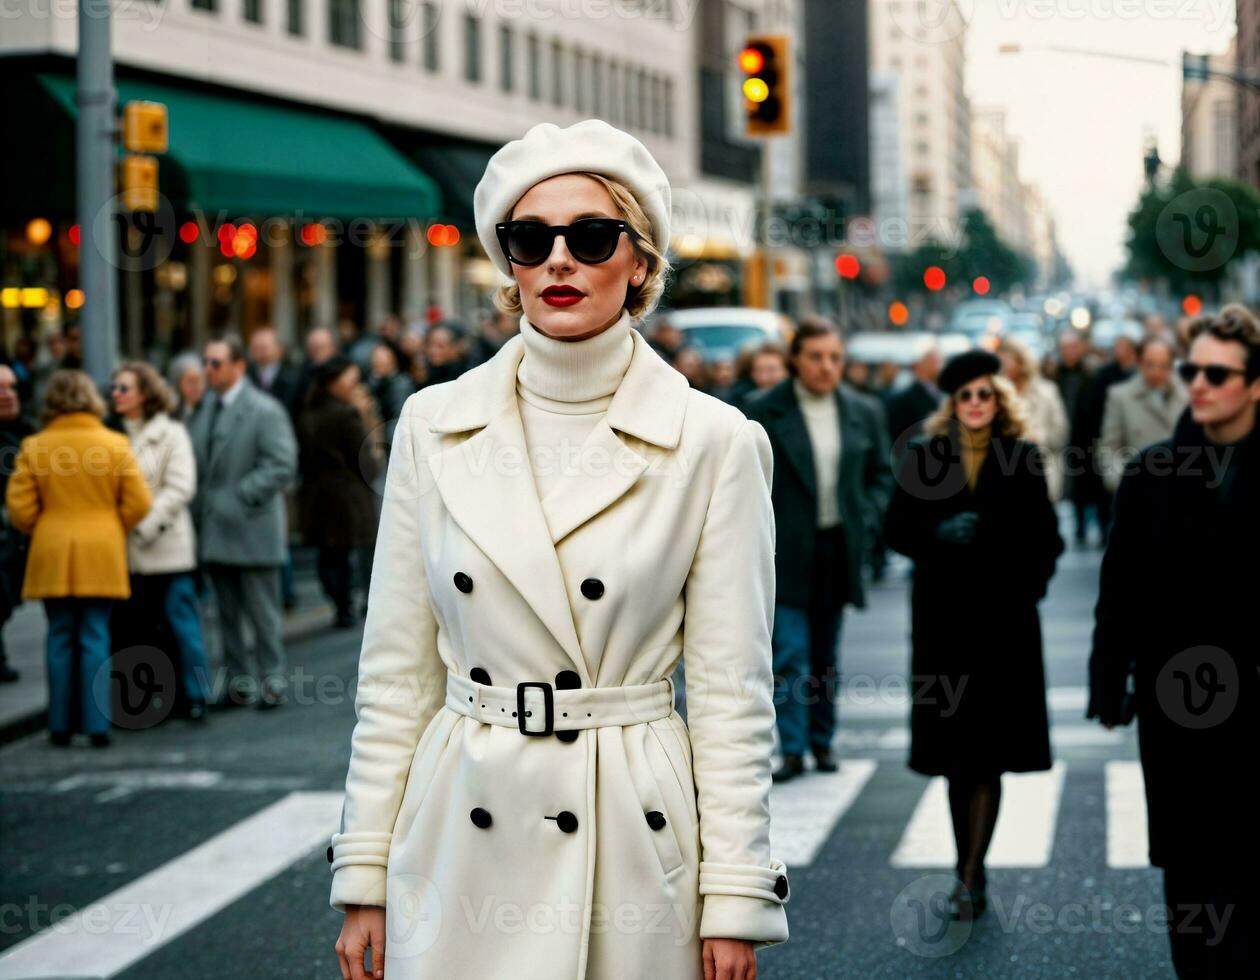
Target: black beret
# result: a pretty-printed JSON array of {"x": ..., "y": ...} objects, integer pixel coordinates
[{"x": 965, "y": 367}]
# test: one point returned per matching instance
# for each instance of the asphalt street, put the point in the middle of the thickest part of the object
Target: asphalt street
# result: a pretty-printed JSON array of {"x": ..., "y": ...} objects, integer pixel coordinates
[{"x": 199, "y": 852}]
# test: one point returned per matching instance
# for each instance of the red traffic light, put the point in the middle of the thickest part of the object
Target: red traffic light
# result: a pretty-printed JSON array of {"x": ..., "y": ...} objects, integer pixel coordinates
[
  {"x": 981, "y": 285},
  {"x": 1192, "y": 305},
  {"x": 751, "y": 60},
  {"x": 934, "y": 278},
  {"x": 848, "y": 266}
]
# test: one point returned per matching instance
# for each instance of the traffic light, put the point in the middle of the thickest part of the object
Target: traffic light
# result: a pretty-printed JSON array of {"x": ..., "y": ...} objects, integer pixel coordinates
[
  {"x": 139, "y": 182},
  {"x": 766, "y": 79},
  {"x": 144, "y": 127}
]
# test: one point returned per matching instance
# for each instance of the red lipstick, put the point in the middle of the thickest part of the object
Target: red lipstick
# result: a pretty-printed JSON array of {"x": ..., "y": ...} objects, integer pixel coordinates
[{"x": 561, "y": 295}]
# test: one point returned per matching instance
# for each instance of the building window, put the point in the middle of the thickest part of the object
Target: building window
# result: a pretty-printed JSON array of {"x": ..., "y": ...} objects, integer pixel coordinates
[
  {"x": 614, "y": 93},
  {"x": 669, "y": 107},
  {"x": 397, "y": 22},
  {"x": 557, "y": 73},
  {"x": 343, "y": 23},
  {"x": 507, "y": 58},
  {"x": 533, "y": 58},
  {"x": 251, "y": 11},
  {"x": 204, "y": 5},
  {"x": 597, "y": 85},
  {"x": 431, "y": 37},
  {"x": 297, "y": 18},
  {"x": 472, "y": 48},
  {"x": 632, "y": 98},
  {"x": 579, "y": 81}
]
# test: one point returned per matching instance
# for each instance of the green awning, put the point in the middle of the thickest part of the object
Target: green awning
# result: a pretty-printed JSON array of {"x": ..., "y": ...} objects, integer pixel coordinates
[
  {"x": 457, "y": 166},
  {"x": 251, "y": 157}
]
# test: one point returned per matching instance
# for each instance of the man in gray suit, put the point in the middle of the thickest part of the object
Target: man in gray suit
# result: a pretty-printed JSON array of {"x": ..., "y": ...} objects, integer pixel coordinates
[
  {"x": 1141, "y": 410},
  {"x": 246, "y": 457}
]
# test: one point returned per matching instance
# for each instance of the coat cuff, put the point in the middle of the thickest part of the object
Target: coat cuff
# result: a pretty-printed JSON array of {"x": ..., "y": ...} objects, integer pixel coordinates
[
  {"x": 358, "y": 863},
  {"x": 744, "y": 901}
]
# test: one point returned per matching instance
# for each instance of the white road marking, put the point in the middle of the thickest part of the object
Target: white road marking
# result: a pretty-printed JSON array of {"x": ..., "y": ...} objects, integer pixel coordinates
[
  {"x": 804, "y": 811},
  {"x": 892, "y": 699},
  {"x": 1127, "y": 840},
  {"x": 129, "y": 924},
  {"x": 1024, "y": 835}
]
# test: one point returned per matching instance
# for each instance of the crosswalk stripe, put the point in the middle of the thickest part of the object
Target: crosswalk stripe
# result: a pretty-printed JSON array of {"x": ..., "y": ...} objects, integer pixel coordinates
[
  {"x": 897, "y": 738},
  {"x": 1127, "y": 840},
  {"x": 1024, "y": 835},
  {"x": 127, "y": 925},
  {"x": 804, "y": 811}
]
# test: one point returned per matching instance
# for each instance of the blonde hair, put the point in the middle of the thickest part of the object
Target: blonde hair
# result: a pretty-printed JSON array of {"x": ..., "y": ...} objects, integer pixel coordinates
[
  {"x": 1019, "y": 350},
  {"x": 1010, "y": 418},
  {"x": 641, "y": 299},
  {"x": 70, "y": 391}
]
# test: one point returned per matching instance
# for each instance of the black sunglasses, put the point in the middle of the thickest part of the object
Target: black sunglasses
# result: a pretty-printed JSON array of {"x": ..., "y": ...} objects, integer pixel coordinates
[
  {"x": 1216, "y": 374},
  {"x": 589, "y": 240},
  {"x": 980, "y": 394}
]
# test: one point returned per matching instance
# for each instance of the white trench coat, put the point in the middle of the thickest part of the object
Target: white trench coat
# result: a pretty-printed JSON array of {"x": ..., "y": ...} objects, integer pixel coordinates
[{"x": 591, "y": 852}]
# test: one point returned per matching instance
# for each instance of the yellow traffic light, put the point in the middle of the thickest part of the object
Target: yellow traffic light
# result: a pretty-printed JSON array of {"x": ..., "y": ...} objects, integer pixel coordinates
[
  {"x": 144, "y": 127},
  {"x": 764, "y": 62},
  {"x": 140, "y": 182}
]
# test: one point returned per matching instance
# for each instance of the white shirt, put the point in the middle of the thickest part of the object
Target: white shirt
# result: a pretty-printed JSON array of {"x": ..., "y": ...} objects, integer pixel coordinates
[
  {"x": 229, "y": 396},
  {"x": 822, "y": 419}
]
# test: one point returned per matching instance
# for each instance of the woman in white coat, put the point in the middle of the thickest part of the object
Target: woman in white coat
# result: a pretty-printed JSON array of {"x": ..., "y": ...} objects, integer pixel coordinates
[
  {"x": 561, "y": 525},
  {"x": 1043, "y": 405},
  {"x": 162, "y": 548}
]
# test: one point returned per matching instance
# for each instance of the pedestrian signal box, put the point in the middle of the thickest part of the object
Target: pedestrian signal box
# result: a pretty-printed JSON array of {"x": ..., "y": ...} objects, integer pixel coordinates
[
  {"x": 139, "y": 182},
  {"x": 144, "y": 127}
]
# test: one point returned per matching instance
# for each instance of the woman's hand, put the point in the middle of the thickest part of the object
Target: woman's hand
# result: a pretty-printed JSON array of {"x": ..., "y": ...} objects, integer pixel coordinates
[
  {"x": 729, "y": 959},
  {"x": 363, "y": 927}
]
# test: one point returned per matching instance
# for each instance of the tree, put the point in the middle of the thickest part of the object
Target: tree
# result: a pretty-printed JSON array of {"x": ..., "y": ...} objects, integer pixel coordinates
[
  {"x": 1187, "y": 233},
  {"x": 982, "y": 253}
]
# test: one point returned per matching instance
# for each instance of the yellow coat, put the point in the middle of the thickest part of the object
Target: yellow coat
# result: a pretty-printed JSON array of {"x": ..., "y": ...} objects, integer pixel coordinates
[{"x": 77, "y": 490}]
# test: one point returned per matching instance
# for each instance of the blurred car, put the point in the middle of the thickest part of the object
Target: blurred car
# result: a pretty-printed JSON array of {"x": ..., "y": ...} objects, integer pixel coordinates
[
  {"x": 974, "y": 316},
  {"x": 902, "y": 349},
  {"x": 1103, "y": 333},
  {"x": 721, "y": 332}
]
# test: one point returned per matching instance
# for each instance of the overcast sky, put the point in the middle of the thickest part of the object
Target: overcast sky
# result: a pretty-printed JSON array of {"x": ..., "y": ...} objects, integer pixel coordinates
[{"x": 1081, "y": 121}]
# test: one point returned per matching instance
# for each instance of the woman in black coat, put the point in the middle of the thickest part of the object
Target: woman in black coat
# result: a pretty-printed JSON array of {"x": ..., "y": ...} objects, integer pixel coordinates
[
  {"x": 339, "y": 458},
  {"x": 971, "y": 509}
]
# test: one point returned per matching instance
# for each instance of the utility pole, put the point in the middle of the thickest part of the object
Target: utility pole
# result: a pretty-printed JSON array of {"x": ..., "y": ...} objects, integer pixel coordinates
[{"x": 94, "y": 197}]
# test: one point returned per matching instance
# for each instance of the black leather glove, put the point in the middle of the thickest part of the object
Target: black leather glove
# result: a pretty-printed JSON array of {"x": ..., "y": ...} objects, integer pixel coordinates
[{"x": 959, "y": 529}]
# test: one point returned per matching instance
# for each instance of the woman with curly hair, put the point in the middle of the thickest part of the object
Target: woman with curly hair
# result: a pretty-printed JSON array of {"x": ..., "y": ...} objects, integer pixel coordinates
[{"x": 972, "y": 511}]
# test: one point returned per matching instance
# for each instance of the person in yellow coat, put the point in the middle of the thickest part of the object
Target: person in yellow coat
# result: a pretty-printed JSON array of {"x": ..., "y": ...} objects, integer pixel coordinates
[{"x": 77, "y": 490}]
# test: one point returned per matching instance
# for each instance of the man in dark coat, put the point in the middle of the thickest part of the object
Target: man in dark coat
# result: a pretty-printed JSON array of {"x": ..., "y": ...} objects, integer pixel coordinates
[
  {"x": 14, "y": 427},
  {"x": 909, "y": 407},
  {"x": 1176, "y": 615},
  {"x": 1072, "y": 375},
  {"x": 270, "y": 372},
  {"x": 832, "y": 482},
  {"x": 1087, "y": 479}
]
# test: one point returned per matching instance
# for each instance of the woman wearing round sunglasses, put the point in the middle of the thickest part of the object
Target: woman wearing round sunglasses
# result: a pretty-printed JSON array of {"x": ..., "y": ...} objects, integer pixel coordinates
[
  {"x": 561, "y": 526},
  {"x": 971, "y": 509}
]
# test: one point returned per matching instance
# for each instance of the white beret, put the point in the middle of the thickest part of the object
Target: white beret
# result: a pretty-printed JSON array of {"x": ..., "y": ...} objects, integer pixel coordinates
[{"x": 591, "y": 145}]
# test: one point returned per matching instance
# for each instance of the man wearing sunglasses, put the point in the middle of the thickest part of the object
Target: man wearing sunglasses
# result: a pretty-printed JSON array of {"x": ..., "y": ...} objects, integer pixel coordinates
[{"x": 1175, "y": 643}]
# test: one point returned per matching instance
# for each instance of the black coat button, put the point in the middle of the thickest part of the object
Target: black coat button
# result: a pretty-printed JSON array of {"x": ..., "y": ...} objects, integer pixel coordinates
[
  {"x": 780, "y": 886},
  {"x": 463, "y": 582},
  {"x": 480, "y": 817},
  {"x": 479, "y": 675},
  {"x": 592, "y": 588},
  {"x": 566, "y": 821},
  {"x": 655, "y": 819},
  {"x": 330, "y": 854}
]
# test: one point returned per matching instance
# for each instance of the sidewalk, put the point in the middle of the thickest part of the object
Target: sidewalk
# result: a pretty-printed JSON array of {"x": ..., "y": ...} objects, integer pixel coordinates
[{"x": 24, "y": 704}]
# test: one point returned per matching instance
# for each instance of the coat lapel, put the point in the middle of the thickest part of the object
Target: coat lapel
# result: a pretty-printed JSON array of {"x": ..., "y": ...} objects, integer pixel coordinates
[
  {"x": 793, "y": 435},
  {"x": 487, "y": 486}
]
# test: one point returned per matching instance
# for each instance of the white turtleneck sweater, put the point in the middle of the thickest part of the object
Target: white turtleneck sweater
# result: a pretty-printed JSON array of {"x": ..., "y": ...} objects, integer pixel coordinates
[
  {"x": 822, "y": 419},
  {"x": 563, "y": 388}
]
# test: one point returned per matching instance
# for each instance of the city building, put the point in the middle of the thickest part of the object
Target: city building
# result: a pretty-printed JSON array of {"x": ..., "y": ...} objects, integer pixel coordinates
[
  {"x": 1209, "y": 121},
  {"x": 323, "y": 153}
]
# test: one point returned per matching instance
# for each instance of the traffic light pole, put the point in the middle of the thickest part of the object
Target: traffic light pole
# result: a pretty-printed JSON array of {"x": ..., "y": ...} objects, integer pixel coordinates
[
  {"x": 95, "y": 155},
  {"x": 767, "y": 211}
]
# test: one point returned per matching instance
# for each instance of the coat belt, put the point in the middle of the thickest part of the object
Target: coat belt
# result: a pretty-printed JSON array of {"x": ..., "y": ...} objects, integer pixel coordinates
[{"x": 537, "y": 708}]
